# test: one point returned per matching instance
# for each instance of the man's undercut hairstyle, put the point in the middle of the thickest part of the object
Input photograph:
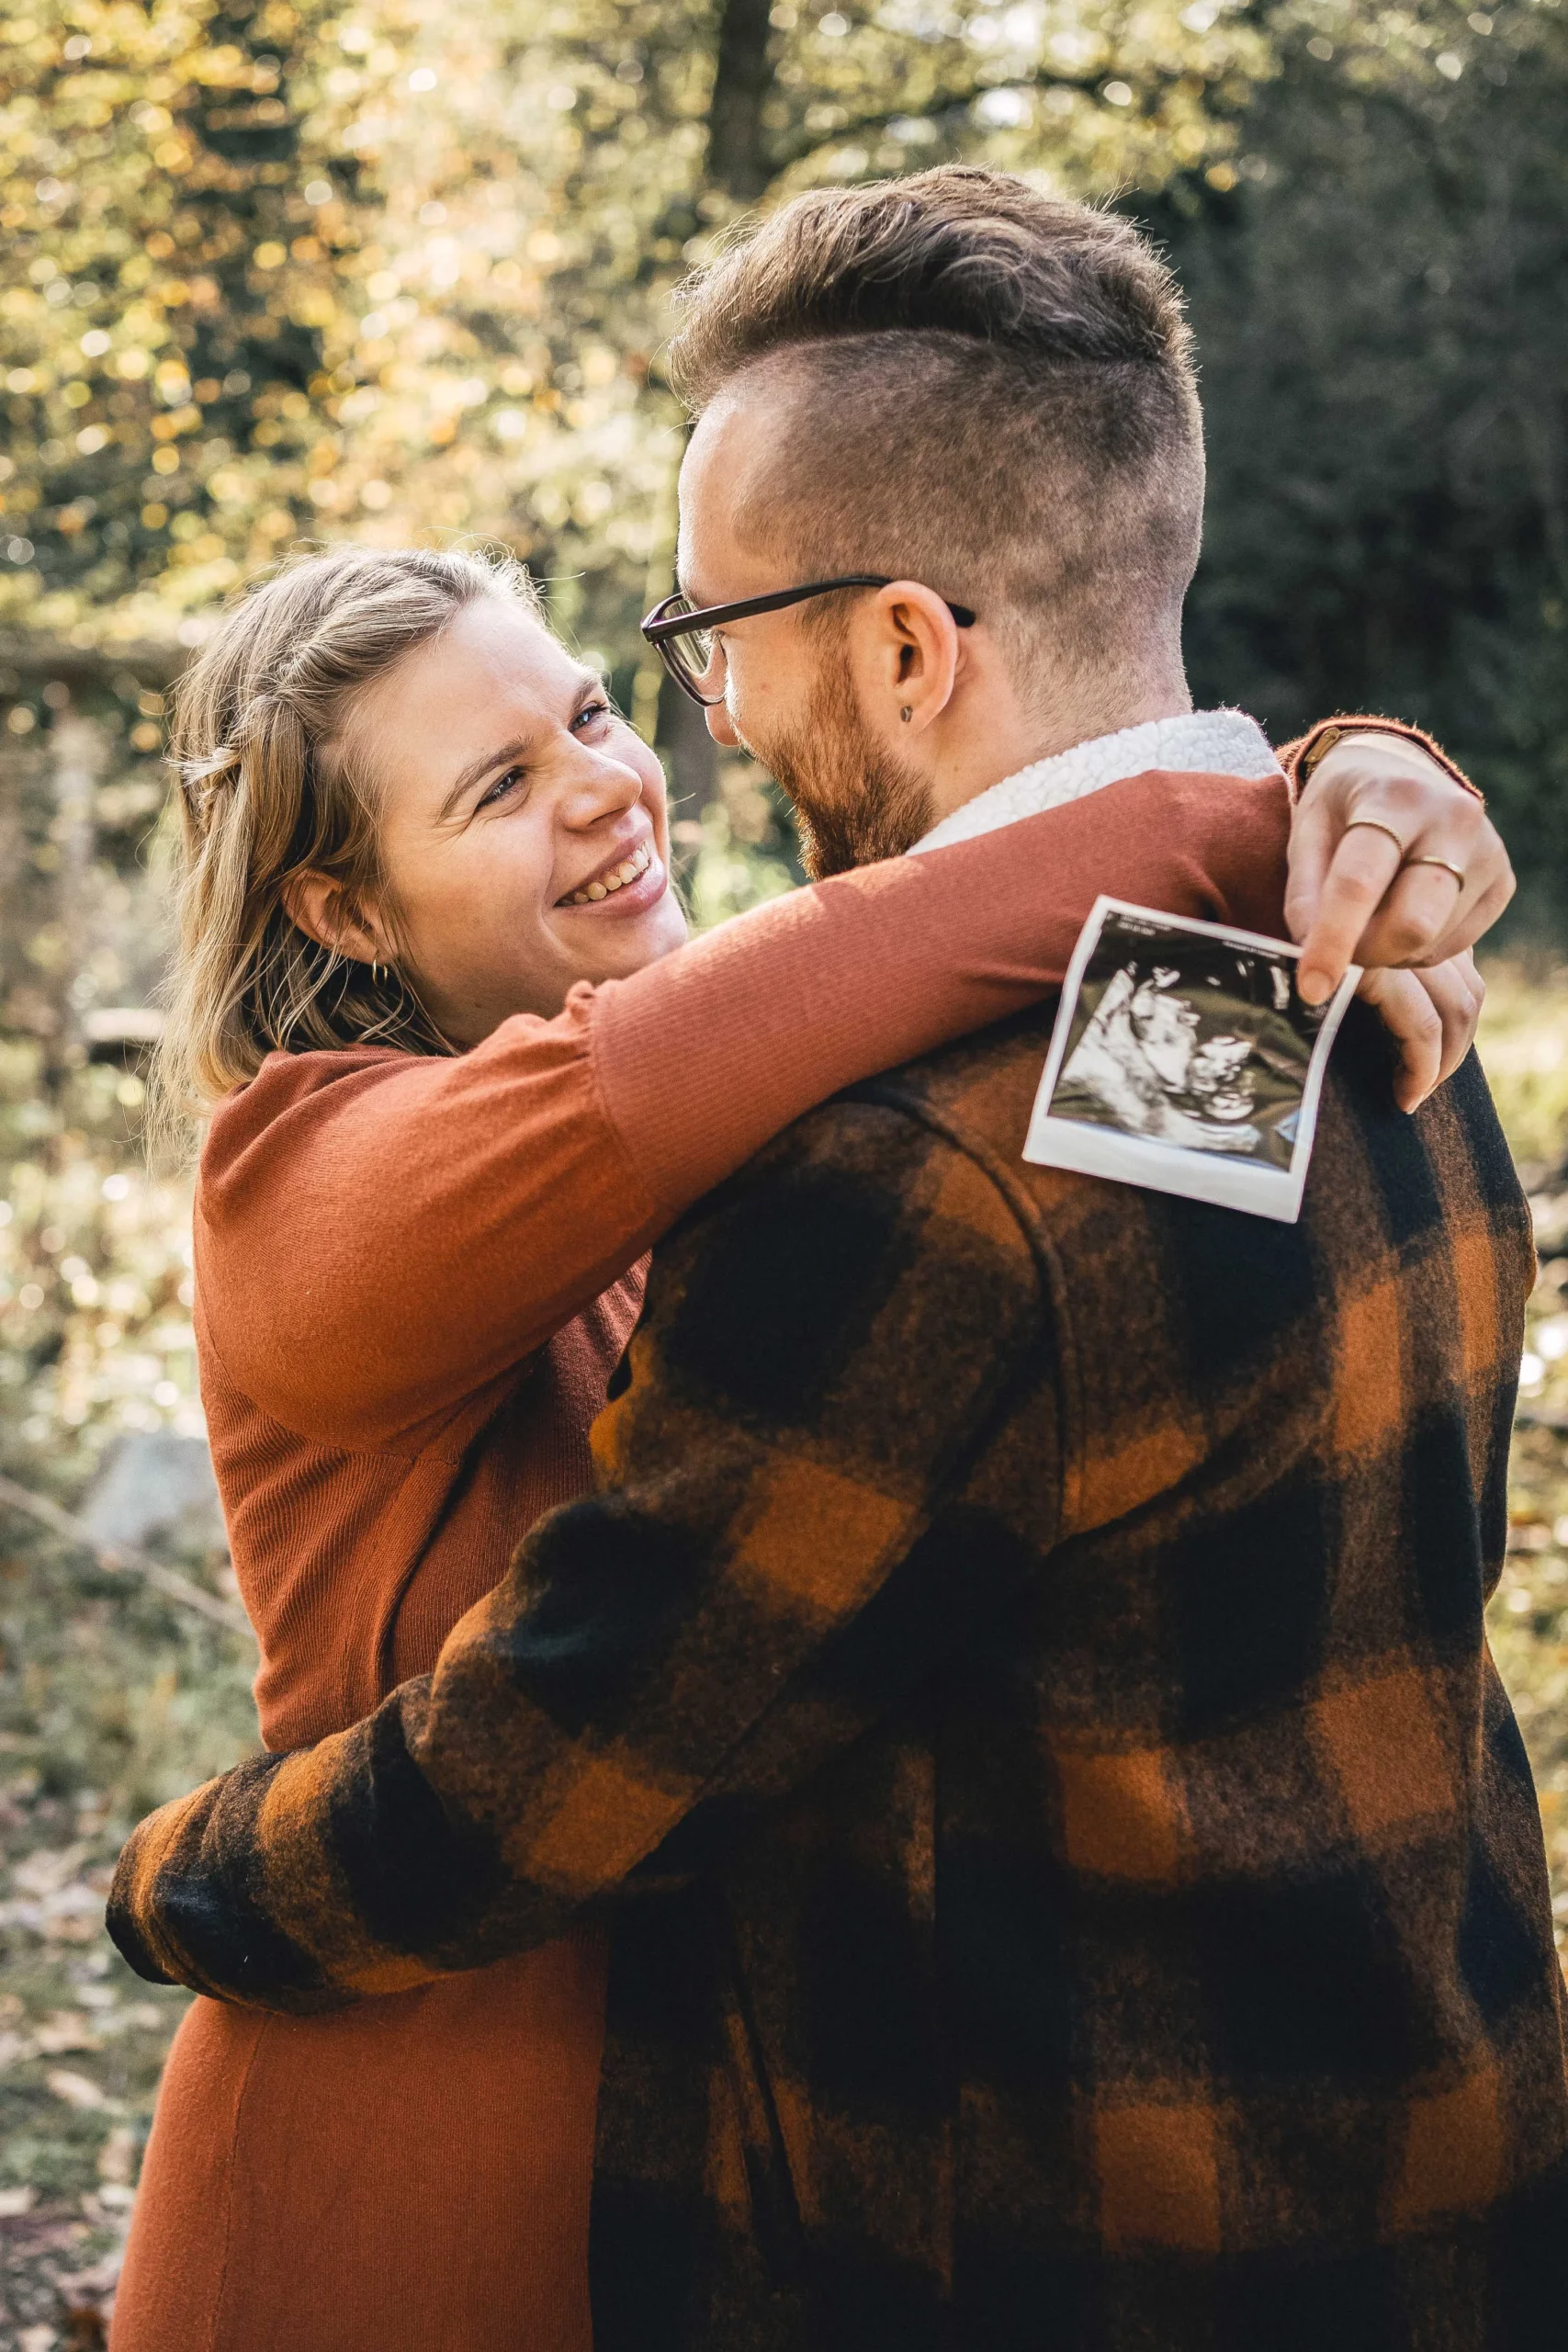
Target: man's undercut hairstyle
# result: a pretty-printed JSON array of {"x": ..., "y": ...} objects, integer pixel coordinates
[{"x": 979, "y": 387}]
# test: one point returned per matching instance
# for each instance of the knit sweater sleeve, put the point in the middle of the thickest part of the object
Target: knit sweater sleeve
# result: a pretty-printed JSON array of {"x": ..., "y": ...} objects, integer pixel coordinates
[{"x": 379, "y": 1235}]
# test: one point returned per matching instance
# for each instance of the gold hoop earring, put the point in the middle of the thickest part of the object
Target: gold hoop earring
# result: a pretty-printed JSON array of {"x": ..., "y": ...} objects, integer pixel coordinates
[{"x": 379, "y": 973}]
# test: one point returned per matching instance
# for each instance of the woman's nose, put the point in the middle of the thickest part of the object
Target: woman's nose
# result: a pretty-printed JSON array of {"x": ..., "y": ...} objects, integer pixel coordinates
[{"x": 599, "y": 786}]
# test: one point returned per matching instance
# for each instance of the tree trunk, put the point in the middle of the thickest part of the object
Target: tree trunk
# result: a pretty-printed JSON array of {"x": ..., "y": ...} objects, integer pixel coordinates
[
  {"x": 735, "y": 159},
  {"x": 689, "y": 752},
  {"x": 77, "y": 746}
]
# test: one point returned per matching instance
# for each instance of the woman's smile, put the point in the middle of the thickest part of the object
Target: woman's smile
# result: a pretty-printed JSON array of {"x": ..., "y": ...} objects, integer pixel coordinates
[
  {"x": 627, "y": 882},
  {"x": 524, "y": 824}
]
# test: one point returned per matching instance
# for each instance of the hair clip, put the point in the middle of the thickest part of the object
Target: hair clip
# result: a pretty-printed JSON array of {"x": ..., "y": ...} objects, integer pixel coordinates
[{"x": 198, "y": 776}]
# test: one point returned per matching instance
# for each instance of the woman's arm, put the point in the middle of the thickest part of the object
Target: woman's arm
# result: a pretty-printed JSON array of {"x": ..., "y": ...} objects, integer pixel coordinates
[
  {"x": 982, "y": 952},
  {"x": 1384, "y": 871},
  {"x": 379, "y": 1235}
]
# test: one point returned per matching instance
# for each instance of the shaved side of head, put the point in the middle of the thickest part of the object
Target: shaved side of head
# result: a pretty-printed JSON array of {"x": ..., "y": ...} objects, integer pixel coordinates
[{"x": 969, "y": 384}]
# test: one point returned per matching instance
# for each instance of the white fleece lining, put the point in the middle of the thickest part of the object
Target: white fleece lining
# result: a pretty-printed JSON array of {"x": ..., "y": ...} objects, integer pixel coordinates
[{"x": 1201, "y": 743}]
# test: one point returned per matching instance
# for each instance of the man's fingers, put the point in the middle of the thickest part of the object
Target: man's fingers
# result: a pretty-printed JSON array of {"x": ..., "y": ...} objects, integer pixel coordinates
[
  {"x": 1362, "y": 866},
  {"x": 1414, "y": 1022}
]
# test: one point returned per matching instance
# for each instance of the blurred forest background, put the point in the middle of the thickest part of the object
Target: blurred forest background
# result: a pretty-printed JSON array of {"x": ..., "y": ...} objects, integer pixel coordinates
[{"x": 290, "y": 270}]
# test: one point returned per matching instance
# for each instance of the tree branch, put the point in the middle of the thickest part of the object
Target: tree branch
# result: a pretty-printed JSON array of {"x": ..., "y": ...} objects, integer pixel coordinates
[
  {"x": 865, "y": 124},
  {"x": 123, "y": 1559}
]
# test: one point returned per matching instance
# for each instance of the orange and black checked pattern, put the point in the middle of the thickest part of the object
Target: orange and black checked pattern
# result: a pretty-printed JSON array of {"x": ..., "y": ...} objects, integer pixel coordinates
[{"x": 1023, "y": 1688}]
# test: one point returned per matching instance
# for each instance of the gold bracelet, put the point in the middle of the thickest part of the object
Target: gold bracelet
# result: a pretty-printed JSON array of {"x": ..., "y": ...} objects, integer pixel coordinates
[{"x": 1305, "y": 767}]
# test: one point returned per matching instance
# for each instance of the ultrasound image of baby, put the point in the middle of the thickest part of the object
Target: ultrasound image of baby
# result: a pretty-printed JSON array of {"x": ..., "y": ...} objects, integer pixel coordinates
[
  {"x": 1188, "y": 1054},
  {"x": 1178, "y": 1037}
]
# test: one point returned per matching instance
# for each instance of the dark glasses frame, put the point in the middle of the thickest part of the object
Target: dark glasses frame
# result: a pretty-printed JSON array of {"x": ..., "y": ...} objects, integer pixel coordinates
[{"x": 663, "y": 628}]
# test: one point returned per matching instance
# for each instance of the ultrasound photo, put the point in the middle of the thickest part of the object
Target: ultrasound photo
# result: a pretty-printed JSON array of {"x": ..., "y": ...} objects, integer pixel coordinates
[{"x": 1183, "y": 1061}]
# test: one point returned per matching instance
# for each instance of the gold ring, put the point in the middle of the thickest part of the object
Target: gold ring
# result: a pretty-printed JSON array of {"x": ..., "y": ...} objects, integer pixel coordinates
[
  {"x": 1378, "y": 826},
  {"x": 1458, "y": 872}
]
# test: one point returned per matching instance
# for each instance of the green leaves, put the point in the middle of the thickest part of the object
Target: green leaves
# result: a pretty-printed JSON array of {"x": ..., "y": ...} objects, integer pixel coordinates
[{"x": 281, "y": 271}]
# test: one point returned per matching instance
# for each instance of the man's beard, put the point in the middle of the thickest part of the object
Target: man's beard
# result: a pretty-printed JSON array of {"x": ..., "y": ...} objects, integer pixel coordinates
[{"x": 854, "y": 801}]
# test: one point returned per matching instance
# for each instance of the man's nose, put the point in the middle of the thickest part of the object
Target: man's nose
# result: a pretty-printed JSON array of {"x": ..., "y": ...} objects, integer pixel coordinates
[{"x": 721, "y": 727}]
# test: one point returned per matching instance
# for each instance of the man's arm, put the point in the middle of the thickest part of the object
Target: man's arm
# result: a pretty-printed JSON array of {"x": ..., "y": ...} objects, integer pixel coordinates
[{"x": 783, "y": 1551}]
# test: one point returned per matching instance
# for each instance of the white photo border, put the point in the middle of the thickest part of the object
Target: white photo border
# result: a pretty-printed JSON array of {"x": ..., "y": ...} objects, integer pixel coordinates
[{"x": 1225, "y": 1183}]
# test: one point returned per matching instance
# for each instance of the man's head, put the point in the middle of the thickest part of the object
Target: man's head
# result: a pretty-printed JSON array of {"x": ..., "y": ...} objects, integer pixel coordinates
[{"x": 983, "y": 394}]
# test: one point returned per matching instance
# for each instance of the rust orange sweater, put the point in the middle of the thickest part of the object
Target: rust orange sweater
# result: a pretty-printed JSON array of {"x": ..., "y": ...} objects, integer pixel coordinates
[{"x": 413, "y": 1283}]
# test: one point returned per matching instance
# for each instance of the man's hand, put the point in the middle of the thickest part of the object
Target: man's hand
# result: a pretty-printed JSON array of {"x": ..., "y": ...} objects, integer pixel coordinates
[
  {"x": 1362, "y": 885},
  {"x": 1432, "y": 1015}
]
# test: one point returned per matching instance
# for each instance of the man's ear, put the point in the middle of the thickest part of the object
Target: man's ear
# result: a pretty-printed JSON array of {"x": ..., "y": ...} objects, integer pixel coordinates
[
  {"x": 916, "y": 655},
  {"x": 329, "y": 915}
]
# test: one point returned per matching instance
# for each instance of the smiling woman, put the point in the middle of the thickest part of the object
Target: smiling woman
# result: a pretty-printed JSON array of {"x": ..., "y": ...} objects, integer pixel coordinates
[
  {"x": 524, "y": 838},
  {"x": 402, "y": 799}
]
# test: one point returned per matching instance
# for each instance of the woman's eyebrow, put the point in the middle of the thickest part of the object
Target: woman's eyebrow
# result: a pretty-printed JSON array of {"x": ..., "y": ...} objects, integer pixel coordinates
[
  {"x": 477, "y": 769},
  {"x": 589, "y": 682}
]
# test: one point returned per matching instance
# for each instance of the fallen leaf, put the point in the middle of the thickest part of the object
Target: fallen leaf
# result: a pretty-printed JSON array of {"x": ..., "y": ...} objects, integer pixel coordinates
[
  {"x": 44, "y": 1872},
  {"x": 76, "y": 1927},
  {"x": 66, "y": 2030},
  {"x": 117, "y": 2157},
  {"x": 76, "y": 2090}
]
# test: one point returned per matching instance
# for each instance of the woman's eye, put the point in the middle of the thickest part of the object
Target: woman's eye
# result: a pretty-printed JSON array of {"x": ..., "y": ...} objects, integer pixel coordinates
[
  {"x": 501, "y": 787},
  {"x": 592, "y": 714}
]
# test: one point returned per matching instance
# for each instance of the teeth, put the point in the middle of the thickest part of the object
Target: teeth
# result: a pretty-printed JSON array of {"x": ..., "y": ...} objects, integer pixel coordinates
[{"x": 629, "y": 870}]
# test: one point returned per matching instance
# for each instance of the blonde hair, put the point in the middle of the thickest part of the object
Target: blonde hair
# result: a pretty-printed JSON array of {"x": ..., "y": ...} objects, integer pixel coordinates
[{"x": 266, "y": 792}]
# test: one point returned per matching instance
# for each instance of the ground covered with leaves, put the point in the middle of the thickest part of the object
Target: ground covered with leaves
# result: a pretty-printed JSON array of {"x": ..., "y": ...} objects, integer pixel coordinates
[
  {"x": 114, "y": 1696},
  {"x": 110, "y": 1700}
]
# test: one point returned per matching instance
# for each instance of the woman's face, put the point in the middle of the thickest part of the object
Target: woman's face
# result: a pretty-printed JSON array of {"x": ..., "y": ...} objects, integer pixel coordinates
[{"x": 523, "y": 830}]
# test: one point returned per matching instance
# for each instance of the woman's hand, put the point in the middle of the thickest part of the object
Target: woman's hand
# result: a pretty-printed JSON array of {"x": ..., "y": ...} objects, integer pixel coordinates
[
  {"x": 1392, "y": 862},
  {"x": 1432, "y": 1016}
]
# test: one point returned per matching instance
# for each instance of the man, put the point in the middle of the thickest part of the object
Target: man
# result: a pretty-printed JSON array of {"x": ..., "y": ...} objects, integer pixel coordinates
[{"x": 1027, "y": 1657}]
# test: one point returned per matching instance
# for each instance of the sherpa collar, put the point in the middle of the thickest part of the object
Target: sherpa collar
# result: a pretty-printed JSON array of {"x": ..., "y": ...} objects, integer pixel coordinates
[{"x": 1201, "y": 742}]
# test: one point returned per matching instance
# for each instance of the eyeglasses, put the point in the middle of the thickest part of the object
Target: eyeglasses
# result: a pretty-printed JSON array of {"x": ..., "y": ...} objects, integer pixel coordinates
[{"x": 682, "y": 636}]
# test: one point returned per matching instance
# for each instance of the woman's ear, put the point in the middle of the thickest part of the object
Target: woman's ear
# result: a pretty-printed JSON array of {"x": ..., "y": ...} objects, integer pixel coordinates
[{"x": 329, "y": 915}]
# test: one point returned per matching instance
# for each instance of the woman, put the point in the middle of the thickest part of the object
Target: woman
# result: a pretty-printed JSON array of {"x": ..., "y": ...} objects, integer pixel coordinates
[{"x": 413, "y": 827}]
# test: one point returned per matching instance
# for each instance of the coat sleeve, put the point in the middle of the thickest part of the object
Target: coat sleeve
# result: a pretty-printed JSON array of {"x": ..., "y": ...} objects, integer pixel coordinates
[{"x": 791, "y": 1534}]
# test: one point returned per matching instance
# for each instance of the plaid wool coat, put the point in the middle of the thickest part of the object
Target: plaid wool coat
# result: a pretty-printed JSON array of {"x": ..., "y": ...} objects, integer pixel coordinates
[{"x": 1023, "y": 1690}]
